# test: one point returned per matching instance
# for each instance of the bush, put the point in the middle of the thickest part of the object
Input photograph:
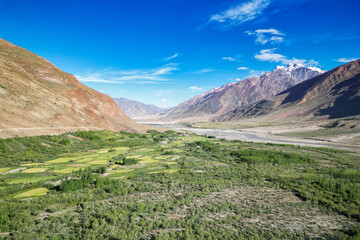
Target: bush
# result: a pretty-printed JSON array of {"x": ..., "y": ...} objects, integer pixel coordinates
[
  {"x": 130, "y": 161},
  {"x": 122, "y": 160},
  {"x": 91, "y": 135}
]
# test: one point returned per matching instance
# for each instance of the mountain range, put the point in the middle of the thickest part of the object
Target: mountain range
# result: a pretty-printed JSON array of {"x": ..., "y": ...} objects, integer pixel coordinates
[
  {"x": 36, "y": 98},
  {"x": 137, "y": 109},
  {"x": 334, "y": 94},
  {"x": 35, "y": 94},
  {"x": 231, "y": 96}
]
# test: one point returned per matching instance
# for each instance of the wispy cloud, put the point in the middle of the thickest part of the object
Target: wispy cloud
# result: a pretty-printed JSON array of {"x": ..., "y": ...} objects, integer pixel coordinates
[
  {"x": 242, "y": 68},
  {"x": 345, "y": 60},
  {"x": 95, "y": 77},
  {"x": 195, "y": 89},
  {"x": 173, "y": 56},
  {"x": 164, "y": 100},
  {"x": 269, "y": 55},
  {"x": 206, "y": 70},
  {"x": 231, "y": 59},
  {"x": 241, "y": 13},
  {"x": 264, "y": 36},
  {"x": 139, "y": 76},
  {"x": 256, "y": 73}
]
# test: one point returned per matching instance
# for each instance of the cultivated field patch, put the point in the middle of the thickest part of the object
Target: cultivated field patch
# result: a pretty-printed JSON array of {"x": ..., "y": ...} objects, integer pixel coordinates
[
  {"x": 35, "y": 170},
  {"x": 32, "y": 193}
]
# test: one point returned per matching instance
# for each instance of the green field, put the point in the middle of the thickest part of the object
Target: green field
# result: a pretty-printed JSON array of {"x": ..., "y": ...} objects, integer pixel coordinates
[
  {"x": 32, "y": 193},
  {"x": 190, "y": 188}
]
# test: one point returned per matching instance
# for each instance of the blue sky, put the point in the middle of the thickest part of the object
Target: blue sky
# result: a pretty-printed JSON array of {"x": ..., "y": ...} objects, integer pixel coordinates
[{"x": 166, "y": 51}]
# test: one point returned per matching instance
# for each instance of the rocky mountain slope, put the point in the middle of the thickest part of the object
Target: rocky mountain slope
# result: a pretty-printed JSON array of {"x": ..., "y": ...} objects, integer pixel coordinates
[
  {"x": 137, "y": 109},
  {"x": 38, "y": 98},
  {"x": 334, "y": 94},
  {"x": 234, "y": 95}
]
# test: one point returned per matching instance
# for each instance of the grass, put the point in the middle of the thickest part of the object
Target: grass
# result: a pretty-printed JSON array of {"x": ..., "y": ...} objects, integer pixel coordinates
[
  {"x": 99, "y": 162},
  {"x": 67, "y": 170},
  {"x": 121, "y": 170},
  {"x": 86, "y": 159},
  {"x": 35, "y": 170},
  {"x": 32, "y": 193},
  {"x": 59, "y": 160},
  {"x": 169, "y": 163},
  {"x": 147, "y": 159},
  {"x": 2, "y": 170},
  {"x": 165, "y": 171},
  {"x": 31, "y": 164},
  {"x": 161, "y": 157},
  {"x": 121, "y": 149},
  {"x": 29, "y": 180}
]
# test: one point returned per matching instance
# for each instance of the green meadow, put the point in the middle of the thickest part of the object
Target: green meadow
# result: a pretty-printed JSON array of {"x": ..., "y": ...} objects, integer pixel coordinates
[{"x": 119, "y": 185}]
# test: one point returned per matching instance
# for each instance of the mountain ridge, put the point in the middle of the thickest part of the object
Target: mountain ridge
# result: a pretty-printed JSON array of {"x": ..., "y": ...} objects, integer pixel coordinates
[
  {"x": 35, "y": 93},
  {"x": 335, "y": 94},
  {"x": 134, "y": 108},
  {"x": 232, "y": 95}
]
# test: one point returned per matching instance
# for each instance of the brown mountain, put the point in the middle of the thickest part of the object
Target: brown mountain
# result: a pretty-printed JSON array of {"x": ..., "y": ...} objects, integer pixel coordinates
[
  {"x": 234, "y": 95},
  {"x": 137, "y": 109},
  {"x": 334, "y": 94},
  {"x": 38, "y": 98}
]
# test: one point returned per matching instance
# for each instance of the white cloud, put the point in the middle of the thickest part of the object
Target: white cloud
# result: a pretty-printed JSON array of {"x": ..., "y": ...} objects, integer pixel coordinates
[
  {"x": 269, "y": 55},
  {"x": 229, "y": 59},
  {"x": 256, "y": 73},
  {"x": 242, "y": 68},
  {"x": 195, "y": 89},
  {"x": 206, "y": 70},
  {"x": 163, "y": 100},
  {"x": 241, "y": 13},
  {"x": 264, "y": 36},
  {"x": 169, "y": 58},
  {"x": 140, "y": 76},
  {"x": 346, "y": 60},
  {"x": 94, "y": 77}
]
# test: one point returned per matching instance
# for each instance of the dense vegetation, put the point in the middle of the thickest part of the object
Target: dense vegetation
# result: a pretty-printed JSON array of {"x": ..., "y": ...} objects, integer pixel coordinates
[
  {"x": 166, "y": 186},
  {"x": 14, "y": 151}
]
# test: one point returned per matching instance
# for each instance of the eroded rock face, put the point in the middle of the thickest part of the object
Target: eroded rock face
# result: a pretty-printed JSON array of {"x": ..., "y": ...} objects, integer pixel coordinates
[
  {"x": 36, "y": 94},
  {"x": 233, "y": 95}
]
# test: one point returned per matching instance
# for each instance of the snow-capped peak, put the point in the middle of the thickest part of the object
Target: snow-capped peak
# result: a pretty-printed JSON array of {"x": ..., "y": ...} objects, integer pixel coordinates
[
  {"x": 293, "y": 66},
  {"x": 316, "y": 69},
  {"x": 290, "y": 67}
]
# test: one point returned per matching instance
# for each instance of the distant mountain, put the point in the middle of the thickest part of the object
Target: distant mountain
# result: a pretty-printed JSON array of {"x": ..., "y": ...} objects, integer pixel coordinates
[
  {"x": 34, "y": 94},
  {"x": 137, "y": 109},
  {"x": 234, "y": 95},
  {"x": 334, "y": 94}
]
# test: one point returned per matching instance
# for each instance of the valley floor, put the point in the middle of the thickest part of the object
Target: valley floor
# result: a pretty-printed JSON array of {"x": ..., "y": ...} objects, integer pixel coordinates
[
  {"x": 169, "y": 185},
  {"x": 338, "y": 134}
]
